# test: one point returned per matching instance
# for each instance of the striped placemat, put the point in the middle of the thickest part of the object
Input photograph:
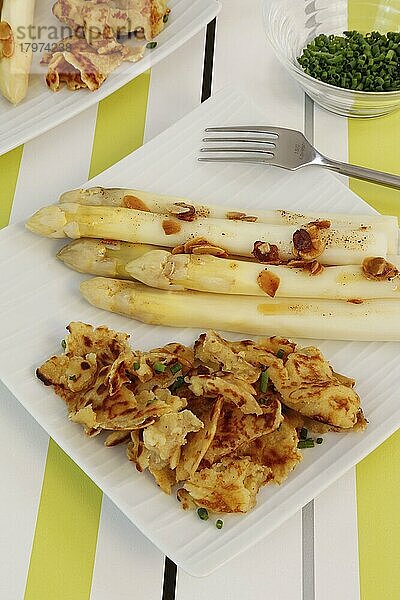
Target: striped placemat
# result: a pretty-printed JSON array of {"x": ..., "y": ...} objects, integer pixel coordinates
[
  {"x": 375, "y": 143},
  {"x": 70, "y": 504}
]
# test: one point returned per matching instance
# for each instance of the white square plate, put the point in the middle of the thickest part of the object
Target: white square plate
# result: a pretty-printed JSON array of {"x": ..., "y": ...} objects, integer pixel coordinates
[
  {"x": 39, "y": 297},
  {"x": 42, "y": 109}
]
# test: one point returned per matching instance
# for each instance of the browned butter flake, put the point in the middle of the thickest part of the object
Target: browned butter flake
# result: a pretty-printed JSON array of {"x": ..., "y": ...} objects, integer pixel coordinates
[
  {"x": 7, "y": 44},
  {"x": 321, "y": 223},
  {"x": 307, "y": 242},
  {"x": 183, "y": 211},
  {"x": 355, "y": 301},
  {"x": 135, "y": 203},
  {"x": 268, "y": 282},
  {"x": 378, "y": 268},
  {"x": 240, "y": 216},
  {"x": 266, "y": 253},
  {"x": 199, "y": 245},
  {"x": 170, "y": 227},
  {"x": 312, "y": 267}
]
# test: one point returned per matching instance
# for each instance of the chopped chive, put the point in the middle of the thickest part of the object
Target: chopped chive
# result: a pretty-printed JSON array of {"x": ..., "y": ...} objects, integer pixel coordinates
[
  {"x": 177, "y": 384},
  {"x": 264, "y": 381},
  {"x": 63, "y": 344},
  {"x": 176, "y": 367},
  {"x": 165, "y": 18},
  {"x": 72, "y": 377},
  {"x": 203, "y": 513},
  {"x": 355, "y": 61},
  {"x": 309, "y": 443},
  {"x": 159, "y": 367},
  {"x": 151, "y": 45},
  {"x": 319, "y": 440},
  {"x": 136, "y": 366},
  {"x": 303, "y": 433},
  {"x": 280, "y": 353},
  {"x": 219, "y": 523}
]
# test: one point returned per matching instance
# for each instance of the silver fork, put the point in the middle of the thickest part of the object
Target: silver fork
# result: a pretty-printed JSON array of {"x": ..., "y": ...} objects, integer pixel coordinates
[{"x": 284, "y": 148}]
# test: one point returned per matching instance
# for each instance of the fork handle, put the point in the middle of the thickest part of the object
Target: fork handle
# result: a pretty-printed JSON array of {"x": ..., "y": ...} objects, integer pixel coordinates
[{"x": 362, "y": 173}]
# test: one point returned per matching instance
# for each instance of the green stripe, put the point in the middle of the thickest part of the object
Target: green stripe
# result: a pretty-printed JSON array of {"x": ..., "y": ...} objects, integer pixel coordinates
[
  {"x": 64, "y": 545},
  {"x": 376, "y": 143},
  {"x": 378, "y": 489},
  {"x": 120, "y": 125},
  {"x": 9, "y": 169}
]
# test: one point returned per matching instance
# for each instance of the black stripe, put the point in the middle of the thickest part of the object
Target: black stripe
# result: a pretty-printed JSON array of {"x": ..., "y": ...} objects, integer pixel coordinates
[
  {"x": 169, "y": 585},
  {"x": 170, "y": 570},
  {"x": 208, "y": 60}
]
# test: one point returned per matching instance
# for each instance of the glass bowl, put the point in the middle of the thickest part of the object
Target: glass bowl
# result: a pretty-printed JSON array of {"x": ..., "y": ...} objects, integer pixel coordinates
[{"x": 291, "y": 24}]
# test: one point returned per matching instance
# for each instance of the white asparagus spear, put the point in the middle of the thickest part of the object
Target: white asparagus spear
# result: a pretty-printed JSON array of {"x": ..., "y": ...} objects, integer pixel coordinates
[
  {"x": 223, "y": 276},
  {"x": 167, "y": 205},
  {"x": 373, "y": 320},
  {"x": 235, "y": 237},
  {"x": 107, "y": 258},
  {"x": 14, "y": 70}
]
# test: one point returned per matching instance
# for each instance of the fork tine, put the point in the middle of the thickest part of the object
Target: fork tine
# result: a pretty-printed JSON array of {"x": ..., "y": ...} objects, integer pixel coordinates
[
  {"x": 241, "y": 139},
  {"x": 274, "y": 131},
  {"x": 246, "y": 149}
]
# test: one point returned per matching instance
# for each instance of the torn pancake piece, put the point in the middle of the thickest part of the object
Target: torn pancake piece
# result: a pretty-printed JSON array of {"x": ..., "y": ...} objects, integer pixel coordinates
[
  {"x": 107, "y": 344},
  {"x": 307, "y": 384},
  {"x": 186, "y": 500},
  {"x": 71, "y": 374},
  {"x": 144, "y": 459},
  {"x": 302, "y": 422},
  {"x": 164, "y": 476},
  {"x": 229, "y": 486},
  {"x": 208, "y": 411},
  {"x": 77, "y": 64},
  {"x": 112, "y": 17},
  {"x": 231, "y": 388},
  {"x": 165, "y": 438},
  {"x": 137, "y": 452},
  {"x": 117, "y": 437},
  {"x": 257, "y": 353},
  {"x": 212, "y": 348},
  {"x": 161, "y": 367},
  {"x": 158, "y": 447},
  {"x": 234, "y": 428},
  {"x": 277, "y": 451},
  {"x": 124, "y": 410},
  {"x": 92, "y": 377}
]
